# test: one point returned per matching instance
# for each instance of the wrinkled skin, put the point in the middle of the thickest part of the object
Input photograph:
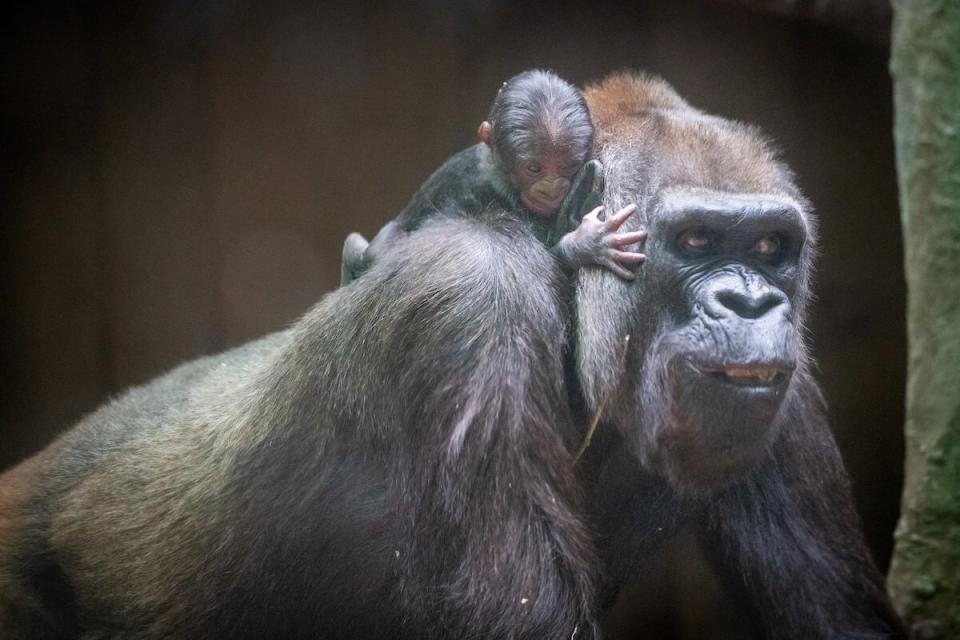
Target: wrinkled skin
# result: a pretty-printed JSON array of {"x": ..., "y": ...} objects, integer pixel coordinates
[{"x": 726, "y": 281}]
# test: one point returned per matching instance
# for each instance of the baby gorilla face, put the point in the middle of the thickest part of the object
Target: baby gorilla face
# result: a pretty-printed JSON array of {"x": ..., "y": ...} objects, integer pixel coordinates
[{"x": 543, "y": 182}]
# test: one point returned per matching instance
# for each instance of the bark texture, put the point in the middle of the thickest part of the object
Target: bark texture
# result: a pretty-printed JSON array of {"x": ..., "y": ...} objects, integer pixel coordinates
[{"x": 925, "y": 575}]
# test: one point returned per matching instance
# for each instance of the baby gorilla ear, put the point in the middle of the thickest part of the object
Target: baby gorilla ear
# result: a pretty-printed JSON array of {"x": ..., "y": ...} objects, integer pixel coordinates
[
  {"x": 485, "y": 133},
  {"x": 585, "y": 195}
]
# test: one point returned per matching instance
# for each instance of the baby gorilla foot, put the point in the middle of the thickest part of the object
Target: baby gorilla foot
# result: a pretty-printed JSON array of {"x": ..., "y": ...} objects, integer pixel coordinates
[{"x": 352, "y": 263}]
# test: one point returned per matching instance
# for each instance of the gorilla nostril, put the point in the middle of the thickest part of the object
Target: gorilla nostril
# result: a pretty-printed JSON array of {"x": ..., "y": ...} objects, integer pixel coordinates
[{"x": 748, "y": 306}]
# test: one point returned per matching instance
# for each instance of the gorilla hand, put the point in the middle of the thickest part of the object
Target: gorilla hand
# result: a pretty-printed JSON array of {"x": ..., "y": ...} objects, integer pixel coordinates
[{"x": 598, "y": 241}]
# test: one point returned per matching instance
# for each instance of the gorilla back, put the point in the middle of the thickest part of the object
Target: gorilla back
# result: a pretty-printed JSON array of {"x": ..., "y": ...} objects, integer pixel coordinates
[{"x": 396, "y": 465}]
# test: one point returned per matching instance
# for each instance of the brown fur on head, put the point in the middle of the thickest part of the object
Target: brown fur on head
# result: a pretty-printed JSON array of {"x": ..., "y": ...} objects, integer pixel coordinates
[
  {"x": 641, "y": 118},
  {"x": 620, "y": 96}
]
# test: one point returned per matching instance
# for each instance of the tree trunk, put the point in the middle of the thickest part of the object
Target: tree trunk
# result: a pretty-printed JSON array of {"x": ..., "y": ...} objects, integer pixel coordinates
[{"x": 925, "y": 575}]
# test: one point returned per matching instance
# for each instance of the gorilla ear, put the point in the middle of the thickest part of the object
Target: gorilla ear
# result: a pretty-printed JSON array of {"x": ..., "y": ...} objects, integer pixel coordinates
[{"x": 485, "y": 133}]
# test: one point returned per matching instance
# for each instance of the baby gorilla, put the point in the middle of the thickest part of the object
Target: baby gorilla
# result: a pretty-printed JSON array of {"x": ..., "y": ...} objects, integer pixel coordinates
[{"x": 536, "y": 140}]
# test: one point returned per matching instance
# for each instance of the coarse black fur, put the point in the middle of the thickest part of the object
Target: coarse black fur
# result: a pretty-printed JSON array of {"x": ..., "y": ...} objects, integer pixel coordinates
[
  {"x": 691, "y": 440},
  {"x": 396, "y": 465}
]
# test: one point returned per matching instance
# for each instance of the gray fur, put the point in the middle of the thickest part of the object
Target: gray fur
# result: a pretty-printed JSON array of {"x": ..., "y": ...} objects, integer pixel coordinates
[{"x": 296, "y": 485}]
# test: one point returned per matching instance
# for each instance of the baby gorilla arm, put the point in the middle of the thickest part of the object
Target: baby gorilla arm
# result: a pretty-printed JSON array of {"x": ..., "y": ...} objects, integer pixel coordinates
[{"x": 598, "y": 241}]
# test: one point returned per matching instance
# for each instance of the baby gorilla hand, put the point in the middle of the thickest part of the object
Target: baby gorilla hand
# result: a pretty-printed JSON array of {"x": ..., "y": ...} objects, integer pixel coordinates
[{"x": 598, "y": 241}]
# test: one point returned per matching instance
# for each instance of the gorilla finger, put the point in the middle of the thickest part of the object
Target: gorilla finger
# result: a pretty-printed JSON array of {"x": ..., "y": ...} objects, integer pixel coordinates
[
  {"x": 627, "y": 257},
  {"x": 595, "y": 214},
  {"x": 626, "y": 239},
  {"x": 621, "y": 216}
]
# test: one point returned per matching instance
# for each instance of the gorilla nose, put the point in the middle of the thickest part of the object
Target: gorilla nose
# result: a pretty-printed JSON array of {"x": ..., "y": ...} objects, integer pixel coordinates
[
  {"x": 556, "y": 189},
  {"x": 749, "y": 305}
]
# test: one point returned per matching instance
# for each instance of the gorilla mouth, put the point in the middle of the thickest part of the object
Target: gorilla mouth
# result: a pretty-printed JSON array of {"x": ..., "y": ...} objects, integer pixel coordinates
[
  {"x": 541, "y": 204},
  {"x": 749, "y": 375},
  {"x": 753, "y": 376}
]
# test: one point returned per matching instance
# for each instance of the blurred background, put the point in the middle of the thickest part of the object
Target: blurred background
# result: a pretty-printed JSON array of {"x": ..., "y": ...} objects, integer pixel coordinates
[{"x": 178, "y": 177}]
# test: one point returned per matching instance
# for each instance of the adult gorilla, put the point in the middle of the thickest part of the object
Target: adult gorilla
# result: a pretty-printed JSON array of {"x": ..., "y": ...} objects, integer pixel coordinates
[
  {"x": 717, "y": 421},
  {"x": 400, "y": 463}
]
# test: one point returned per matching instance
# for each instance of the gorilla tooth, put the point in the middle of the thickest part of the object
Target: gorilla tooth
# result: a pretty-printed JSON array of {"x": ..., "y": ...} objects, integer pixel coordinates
[{"x": 765, "y": 375}]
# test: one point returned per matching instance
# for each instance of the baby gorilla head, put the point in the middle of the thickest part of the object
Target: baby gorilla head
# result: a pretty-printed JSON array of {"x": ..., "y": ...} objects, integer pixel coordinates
[{"x": 540, "y": 134}]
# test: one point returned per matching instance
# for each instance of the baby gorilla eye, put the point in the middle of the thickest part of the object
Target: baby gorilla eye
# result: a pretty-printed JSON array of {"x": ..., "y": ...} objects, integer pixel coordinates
[
  {"x": 767, "y": 246},
  {"x": 695, "y": 240},
  {"x": 534, "y": 169}
]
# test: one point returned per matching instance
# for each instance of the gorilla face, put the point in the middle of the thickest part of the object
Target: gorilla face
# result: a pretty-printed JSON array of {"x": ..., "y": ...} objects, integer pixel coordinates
[
  {"x": 726, "y": 342},
  {"x": 715, "y": 315}
]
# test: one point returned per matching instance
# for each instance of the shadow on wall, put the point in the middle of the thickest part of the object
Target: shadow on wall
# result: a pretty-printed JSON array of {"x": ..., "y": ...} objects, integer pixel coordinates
[{"x": 181, "y": 177}]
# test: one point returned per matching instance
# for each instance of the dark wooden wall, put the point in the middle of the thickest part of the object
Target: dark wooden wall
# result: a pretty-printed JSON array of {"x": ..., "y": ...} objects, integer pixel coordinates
[{"x": 178, "y": 177}]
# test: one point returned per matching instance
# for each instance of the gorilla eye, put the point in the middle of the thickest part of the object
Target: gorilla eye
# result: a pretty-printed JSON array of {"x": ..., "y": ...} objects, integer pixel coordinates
[
  {"x": 695, "y": 240},
  {"x": 767, "y": 246},
  {"x": 534, "y": 169}
]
